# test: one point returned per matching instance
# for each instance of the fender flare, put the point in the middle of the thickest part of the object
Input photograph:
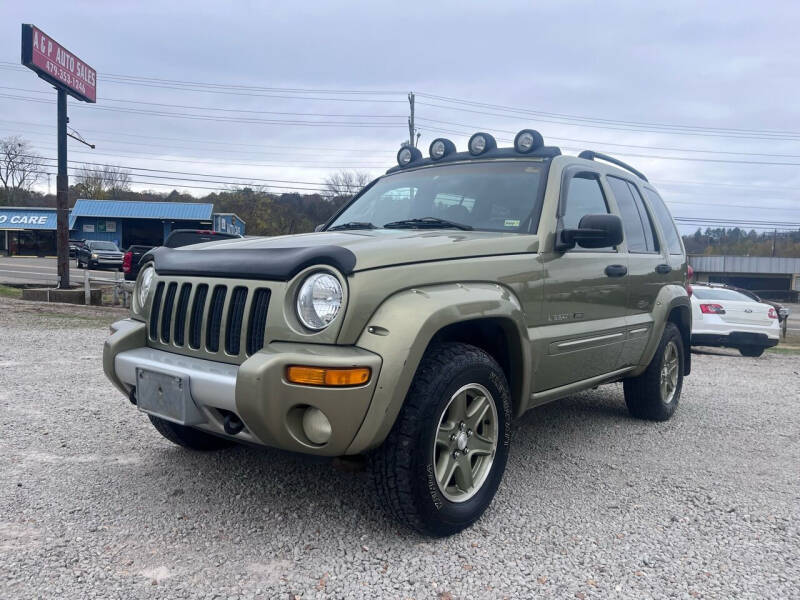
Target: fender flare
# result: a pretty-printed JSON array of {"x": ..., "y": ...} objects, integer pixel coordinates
[
  {"x": 403, "y": 326},
  {"x": 669, "y": 298}
]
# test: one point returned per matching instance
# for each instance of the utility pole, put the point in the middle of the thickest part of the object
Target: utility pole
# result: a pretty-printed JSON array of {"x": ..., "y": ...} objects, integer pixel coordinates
[
  {"x": 774, "y": 239},
  {"x": 411, "y": 129},
  {"x": 62, "y": 194}
]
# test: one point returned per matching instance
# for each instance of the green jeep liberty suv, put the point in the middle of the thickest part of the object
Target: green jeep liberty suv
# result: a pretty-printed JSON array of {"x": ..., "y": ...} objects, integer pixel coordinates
[{"x": 448, "y": 297}]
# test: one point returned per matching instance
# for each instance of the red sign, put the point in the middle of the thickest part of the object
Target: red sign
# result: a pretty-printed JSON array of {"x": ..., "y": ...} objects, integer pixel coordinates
[{"x": 56, "y": 64}]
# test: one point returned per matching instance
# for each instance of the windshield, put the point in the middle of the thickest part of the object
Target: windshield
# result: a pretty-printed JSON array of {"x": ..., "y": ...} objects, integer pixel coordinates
[
  {"x": 104, "y": 246},
  {"x": 488, "y": 196},
  {"x": 719, "y": 294}
]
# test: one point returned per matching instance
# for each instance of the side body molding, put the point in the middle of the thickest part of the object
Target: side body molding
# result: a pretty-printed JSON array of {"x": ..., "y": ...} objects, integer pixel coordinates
[{"x": 401, "y": 329}]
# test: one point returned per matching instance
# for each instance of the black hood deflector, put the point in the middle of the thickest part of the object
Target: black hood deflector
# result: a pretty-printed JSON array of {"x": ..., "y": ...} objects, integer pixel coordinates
[{"x": 277, "y": 264}]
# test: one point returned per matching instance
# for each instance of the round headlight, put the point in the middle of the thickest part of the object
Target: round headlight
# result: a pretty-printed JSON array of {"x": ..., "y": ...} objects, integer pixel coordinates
[
  {"x": 528, "y": 140},
  {"x": 441, "y": 147},
  {"x": 408, "y": 154},
  {"x": 480, "y": 143},
  {"x": 145, "y": 281},
  {"x": 319, "y": 300}
]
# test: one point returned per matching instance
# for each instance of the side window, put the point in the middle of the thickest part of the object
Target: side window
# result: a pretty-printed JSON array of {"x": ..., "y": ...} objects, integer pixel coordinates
[
  {"x": 671, "y": 237},
  {"x": 639, "y": 232},
  {"x": 631, "y": 219},
  {"x": 649, "y": 228},
  {"x": 584, "y": 197}
]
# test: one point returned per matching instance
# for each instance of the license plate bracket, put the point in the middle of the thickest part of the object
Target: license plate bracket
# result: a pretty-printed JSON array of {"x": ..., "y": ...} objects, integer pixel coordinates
[{"x": 168, "y": 396}]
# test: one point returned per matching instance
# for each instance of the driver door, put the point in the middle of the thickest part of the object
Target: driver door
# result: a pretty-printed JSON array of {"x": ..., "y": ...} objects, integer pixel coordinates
[{"x": 585, "y": 295}]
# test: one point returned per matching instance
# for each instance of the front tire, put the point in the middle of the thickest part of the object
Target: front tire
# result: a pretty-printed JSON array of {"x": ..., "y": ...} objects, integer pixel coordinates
[
  {"x": 442, "y": 463},
  {"x": 188, "y": 437},
  {"x": 654, "y": 394},
  {"x": 753, "y": 351}
]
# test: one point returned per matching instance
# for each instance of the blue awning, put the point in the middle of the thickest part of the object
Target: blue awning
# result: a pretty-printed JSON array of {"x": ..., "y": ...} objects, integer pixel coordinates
[
  {"x": 27, "y": 218},
  {"x": 123, "y": 209}
]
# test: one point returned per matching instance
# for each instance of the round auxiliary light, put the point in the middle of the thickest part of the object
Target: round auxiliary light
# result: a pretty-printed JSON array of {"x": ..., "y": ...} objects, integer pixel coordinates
[
  {"x": 408, "y": 154},
  {"x": 319, "y": 300},
  {"x": 441, "y": 147},
  {"x": 528, "y": 140},
  {"x": 480, "y": 143}
]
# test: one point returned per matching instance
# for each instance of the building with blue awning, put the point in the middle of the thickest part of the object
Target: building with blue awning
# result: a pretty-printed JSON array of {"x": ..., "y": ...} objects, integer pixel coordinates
[
  {"x": 126, "y": 223},
  {"x": 27, "y": 231},
  {"x": 132, "y": 222}
]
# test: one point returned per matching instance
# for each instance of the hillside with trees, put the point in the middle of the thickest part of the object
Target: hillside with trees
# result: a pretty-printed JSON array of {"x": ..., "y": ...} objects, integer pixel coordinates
[{"x": 739, "y": 242}]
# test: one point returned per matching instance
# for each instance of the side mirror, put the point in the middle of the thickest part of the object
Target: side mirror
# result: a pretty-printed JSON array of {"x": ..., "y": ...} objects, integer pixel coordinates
[
  {"x": 594, "y": 231},
  {"x": 319, "y": 227}
]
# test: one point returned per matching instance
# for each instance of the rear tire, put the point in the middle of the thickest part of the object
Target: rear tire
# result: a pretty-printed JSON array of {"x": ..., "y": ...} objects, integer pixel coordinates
[
  {"x": 188, "y": 437},
  {"x": 442, "y": 463},
  {"x": 654, "y": 394},
  {"x": 753, "y": 351}
]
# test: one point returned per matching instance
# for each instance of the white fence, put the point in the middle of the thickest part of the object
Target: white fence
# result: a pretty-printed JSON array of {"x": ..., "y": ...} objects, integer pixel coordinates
[{"x": 121, "y": 291}]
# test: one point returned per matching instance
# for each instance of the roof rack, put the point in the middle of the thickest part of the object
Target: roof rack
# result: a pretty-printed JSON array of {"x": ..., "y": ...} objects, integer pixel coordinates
[{"x": 591, "y": 155}]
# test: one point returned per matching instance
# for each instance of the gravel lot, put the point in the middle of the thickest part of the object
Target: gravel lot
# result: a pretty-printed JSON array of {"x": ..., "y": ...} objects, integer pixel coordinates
[{"x": 95, "y": 504}]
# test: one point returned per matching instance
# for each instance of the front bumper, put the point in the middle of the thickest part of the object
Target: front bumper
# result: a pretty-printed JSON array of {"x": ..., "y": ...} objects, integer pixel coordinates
[{"x": 256, "y": 391}]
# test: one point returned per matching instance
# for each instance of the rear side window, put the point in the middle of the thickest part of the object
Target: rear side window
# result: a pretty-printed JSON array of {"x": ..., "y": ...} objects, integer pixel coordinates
[
  {"x": 671, "y": 237},
  {"x": 635, "y": 220}
]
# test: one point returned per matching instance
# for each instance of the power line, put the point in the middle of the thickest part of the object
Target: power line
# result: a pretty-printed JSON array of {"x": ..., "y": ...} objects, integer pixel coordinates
[
  {"x": 608, "y": 123},
  {"x": 685, "y": 158},
  {"x": 148, "y": 170},
  {"x": 191, "y": 140},
  {"x": 219, "y": 119},
  {"x": 233, "y": 110},
  {"x": 217, "y": 151},
  {"x": 285, "y": 93}
]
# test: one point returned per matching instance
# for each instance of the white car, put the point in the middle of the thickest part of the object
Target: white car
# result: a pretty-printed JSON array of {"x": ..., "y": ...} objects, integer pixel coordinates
[{"x": 724, "y": 317}]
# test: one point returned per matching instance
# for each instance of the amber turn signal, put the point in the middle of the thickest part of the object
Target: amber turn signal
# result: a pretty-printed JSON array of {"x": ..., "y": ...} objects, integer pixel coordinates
[{"x": 328, "y": 377}]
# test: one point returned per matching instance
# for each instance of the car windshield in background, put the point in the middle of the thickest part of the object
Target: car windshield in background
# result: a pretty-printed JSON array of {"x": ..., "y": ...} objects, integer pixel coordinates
[
  {"x": 720, "y": 294},
  {"x": 487, "y": 196},
  {"x": 105, "y": 246}
]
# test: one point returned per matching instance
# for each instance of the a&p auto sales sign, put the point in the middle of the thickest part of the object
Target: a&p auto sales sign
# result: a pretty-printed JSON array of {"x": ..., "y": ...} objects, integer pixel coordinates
[{"x": 58, "y": 65}]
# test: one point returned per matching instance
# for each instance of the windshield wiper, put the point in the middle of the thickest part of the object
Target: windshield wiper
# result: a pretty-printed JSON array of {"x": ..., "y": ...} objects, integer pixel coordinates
[
  {"x": 427, "y": 223},
  {"x": 352, "y": 225}
]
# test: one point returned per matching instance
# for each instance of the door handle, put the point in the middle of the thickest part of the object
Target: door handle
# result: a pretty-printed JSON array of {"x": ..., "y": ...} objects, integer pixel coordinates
[
  {"x": 663, "y": 269},
  {"x": 616, "y": 270}
]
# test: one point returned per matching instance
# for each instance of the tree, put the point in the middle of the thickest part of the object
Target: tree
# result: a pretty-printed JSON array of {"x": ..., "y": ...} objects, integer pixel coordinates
[
  {"x": 346, "y": 184},
  {"x": 100, "y": 183},
  {"x": 20, "y": 166}
]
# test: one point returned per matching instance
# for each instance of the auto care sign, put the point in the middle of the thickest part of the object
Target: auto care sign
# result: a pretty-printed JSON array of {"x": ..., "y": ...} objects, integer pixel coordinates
[{"x": 56, "y": 64}]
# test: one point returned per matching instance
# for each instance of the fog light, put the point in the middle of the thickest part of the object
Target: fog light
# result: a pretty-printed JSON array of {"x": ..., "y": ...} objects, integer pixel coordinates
[{"x": 316, "y": 426}]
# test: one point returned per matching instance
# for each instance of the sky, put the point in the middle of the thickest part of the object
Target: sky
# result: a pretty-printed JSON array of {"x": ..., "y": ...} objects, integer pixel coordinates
[{"x": 701, "y": 97}]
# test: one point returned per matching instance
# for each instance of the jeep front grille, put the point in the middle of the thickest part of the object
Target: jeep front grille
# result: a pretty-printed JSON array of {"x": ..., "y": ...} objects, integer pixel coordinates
[{"x": 215, "y": 320}]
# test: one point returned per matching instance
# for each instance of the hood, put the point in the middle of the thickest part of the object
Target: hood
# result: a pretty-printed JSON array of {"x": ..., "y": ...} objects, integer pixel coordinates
[{"x": 283, "y": 257}]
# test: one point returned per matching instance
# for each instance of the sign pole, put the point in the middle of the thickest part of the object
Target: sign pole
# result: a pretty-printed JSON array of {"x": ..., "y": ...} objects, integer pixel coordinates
[
  {"x": 70, "y": 75},
  {"x": 62, "y": 194}
]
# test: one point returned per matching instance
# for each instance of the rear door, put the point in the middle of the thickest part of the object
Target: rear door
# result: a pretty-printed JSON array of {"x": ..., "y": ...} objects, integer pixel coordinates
[
  {"x": 648, "y": 268},
  {"x": 584, "y": 304}
]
